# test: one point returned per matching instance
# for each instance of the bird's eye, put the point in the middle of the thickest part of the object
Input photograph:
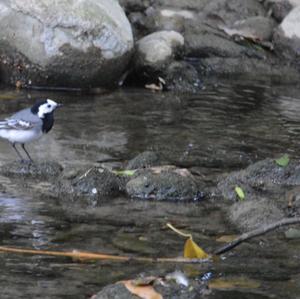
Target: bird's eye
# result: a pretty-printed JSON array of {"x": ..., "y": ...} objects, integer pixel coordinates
[{"x": 49, "y": 106}]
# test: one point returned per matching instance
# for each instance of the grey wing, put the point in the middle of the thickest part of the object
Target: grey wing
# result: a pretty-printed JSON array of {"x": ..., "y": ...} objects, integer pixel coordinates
[
  {"x": 22, "y": 120},
  {"x": 17, "y": 124}
]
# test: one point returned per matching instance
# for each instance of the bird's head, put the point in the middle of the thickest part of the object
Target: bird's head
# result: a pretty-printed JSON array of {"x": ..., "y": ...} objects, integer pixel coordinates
[{"x": 42, "y": 108}]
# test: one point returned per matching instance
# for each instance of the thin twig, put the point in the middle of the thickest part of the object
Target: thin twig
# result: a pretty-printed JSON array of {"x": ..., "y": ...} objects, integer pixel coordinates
[
  {"x": 256, "y": 232},
  {"x": 99, "y": 256},
  {"x": 176, "y": 230},
  {"x": 52, "y": 88}
]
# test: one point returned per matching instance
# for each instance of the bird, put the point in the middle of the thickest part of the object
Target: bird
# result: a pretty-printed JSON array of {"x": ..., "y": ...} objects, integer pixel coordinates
[{"x": 29, "y": 124}]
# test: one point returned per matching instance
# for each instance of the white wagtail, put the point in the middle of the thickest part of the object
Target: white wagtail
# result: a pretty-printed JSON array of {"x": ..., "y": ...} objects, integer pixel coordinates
[{"x": 28, "y": 124}]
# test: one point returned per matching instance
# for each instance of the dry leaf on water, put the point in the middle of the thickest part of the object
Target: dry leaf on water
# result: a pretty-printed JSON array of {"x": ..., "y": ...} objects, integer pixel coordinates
[
  {"x": 143, "y": 291},
  {"x": 191, "y": 249},
  {"x": 154, "y": 87},
  {"x": 226, "y": 238}
]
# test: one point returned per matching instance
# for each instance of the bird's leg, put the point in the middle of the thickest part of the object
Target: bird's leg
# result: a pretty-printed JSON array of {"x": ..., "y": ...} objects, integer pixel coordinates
[
  {"x": 23, "y": 147},
  {"x": 18, "y": 153}
]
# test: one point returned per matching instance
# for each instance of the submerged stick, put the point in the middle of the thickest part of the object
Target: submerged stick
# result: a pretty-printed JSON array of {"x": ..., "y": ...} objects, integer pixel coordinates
[
  {"x": 98, "y": 256},
  {"x": 257, "y": 232}
]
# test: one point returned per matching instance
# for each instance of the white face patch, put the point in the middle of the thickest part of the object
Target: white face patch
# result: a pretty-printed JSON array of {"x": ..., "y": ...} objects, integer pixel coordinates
[{"x": 46, "y": 108}]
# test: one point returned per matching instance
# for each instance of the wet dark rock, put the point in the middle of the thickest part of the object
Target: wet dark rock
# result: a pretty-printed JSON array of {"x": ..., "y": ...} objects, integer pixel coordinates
[
  {"x": 257, "y": 65},
  {"x": 90, "y": 186},
  {"x": 278, "y": 9},
  {"x": 171, "y": 289},
  {"x": 230, "y": 10},
  {"x": 251, "y": 214},
  {"x": 144, "y": 160},
  {"x": 234, "y": 10},
  {"x": 163, "y": 184},
  {"x": 46, "y": 43},
  {"x": 208, "y": 29},
  {"x": 263, "y": 177},
  {"x": 35, "y": 170},
  {"x": 259, "y": 27},
  {"x": 135, "y": 5},
  {"x": 175, "y": 291},
  {"x": 174, "y": 15},
  {"x": 203, "y": 41},
  {"x": 181, "y": 76},
  {"x": 116, "y": 291},
  {"x": 140, "y": 24}
]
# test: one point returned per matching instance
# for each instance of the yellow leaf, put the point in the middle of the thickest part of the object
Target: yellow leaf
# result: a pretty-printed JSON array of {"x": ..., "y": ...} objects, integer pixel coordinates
[
  {"x": 233, "y": 283},
  {"x": 192, "y": 250},
  {"x": 145, "y": 291}
]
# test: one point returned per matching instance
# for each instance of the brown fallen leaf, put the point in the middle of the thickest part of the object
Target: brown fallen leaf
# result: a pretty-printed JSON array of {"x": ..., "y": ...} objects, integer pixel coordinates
[
  {"x": 155, "y": 87},
  {"x": 142, "y": 281},
  {"x": 19, "y": 84},
  {"x": 181, "y": 171},
  {"x": 160, "y": 169},
  {"x": 144, "y": 291},
  {"x": 226, "y": 238}
]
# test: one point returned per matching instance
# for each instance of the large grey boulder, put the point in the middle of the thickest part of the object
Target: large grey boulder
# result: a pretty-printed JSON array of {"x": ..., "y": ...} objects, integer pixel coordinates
[
  {"x": 287, "y": 37},
  {"x": 63, "y": 43},
  {"x": 157, "y": 50}
]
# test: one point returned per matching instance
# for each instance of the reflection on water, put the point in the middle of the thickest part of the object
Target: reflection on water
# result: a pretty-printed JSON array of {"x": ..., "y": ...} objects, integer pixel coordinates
[
  {"x": 11, "y": 209},
  {"x": 226, "y": 126}
]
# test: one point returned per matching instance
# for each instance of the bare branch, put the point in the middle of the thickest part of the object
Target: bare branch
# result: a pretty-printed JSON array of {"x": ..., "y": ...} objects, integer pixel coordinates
[{"x": 257, "y": 232}]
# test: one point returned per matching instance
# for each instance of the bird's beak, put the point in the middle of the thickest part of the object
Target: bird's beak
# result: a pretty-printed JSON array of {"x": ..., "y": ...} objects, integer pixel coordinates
[{"x": 59, "y": 105}]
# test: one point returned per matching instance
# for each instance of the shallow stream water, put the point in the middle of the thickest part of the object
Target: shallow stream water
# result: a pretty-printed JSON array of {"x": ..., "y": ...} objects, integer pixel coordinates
[{"x": 226, "y": 126}]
